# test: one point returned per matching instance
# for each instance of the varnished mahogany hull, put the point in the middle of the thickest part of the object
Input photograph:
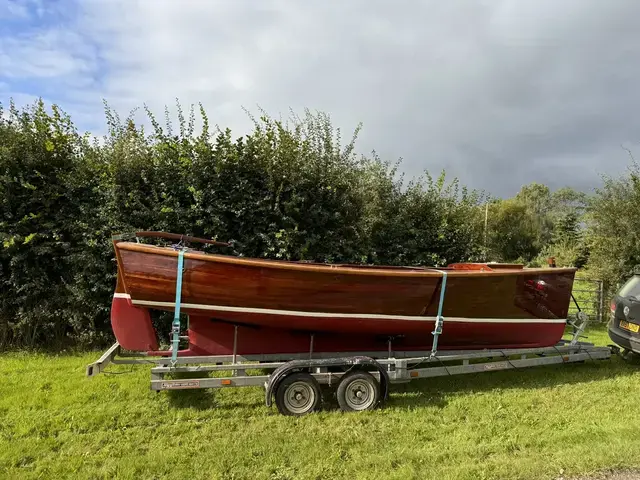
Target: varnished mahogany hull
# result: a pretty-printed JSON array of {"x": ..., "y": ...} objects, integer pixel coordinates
[{"x": 278, "y": 304}]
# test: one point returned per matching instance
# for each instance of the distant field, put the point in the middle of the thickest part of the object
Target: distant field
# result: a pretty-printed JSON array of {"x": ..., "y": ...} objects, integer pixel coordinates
[{"x": 529, "y": 424}]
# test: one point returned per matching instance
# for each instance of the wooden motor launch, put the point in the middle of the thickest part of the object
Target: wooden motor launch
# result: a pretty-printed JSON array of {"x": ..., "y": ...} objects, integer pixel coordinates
[{"x": 248, "y": 306}]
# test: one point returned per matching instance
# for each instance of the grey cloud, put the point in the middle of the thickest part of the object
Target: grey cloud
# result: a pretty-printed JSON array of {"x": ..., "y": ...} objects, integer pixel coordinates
[
  {"x": 498, "y": 93},
  {"x": 496, "y": 100}
]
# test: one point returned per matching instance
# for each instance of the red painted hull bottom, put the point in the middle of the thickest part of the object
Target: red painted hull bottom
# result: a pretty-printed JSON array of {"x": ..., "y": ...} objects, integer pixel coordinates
[
  {"x": 208, "y": 337},
  {"x": 133, "y": 328}
]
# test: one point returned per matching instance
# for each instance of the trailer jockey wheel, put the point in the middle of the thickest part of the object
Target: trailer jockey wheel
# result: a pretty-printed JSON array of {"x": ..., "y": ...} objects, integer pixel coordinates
[
  {"x": 358, "y": 391},
  {"x": 298, "y": 394}
]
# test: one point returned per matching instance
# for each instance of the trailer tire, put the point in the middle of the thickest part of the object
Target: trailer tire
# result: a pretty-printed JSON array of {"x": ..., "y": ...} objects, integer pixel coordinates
[
  {"x": 298, "y": 394},
  {"x": 358, "y": 391}
]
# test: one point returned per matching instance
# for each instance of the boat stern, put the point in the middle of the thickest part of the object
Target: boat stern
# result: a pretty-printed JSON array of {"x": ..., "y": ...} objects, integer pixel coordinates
[{"x": 132, "y": 325}]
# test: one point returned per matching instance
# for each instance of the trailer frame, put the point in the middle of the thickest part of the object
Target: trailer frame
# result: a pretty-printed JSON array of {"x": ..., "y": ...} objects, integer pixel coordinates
[{"x": 295, "y": 378}]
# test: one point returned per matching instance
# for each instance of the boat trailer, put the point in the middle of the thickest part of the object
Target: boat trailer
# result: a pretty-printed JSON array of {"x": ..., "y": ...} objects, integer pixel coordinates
[{"x": 360, "y": 380}]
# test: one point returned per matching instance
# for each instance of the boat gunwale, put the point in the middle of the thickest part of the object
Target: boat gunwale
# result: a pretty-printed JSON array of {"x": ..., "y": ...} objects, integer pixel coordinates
[{"x": 390, "y": 271}]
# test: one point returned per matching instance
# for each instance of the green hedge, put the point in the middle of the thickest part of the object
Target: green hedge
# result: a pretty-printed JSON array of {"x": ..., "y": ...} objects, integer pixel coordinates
[{"x": 286, "y": 190}]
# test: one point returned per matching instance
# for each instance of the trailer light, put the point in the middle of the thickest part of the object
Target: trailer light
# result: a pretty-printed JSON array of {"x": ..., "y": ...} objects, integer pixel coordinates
[
  {"x": 225, "y": 382},
  {"x": 414, "y": 374}
]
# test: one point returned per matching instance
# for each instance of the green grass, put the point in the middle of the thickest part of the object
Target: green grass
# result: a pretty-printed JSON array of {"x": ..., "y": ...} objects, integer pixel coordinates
[{"x": 533, "y": 423}]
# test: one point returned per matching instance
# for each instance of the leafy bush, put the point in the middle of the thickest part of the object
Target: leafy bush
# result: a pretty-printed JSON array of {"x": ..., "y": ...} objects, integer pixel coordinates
[
  {"x": 46, "y": 188},
  {"x": 287, "y": 190},
  {"x": 537, "y": 224},
  {"x": 614, "y": 228},
  {"x": 513, "y": 231}
]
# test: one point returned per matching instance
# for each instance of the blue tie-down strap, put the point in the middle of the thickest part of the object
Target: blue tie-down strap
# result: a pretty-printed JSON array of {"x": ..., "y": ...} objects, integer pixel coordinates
[
  {"x": 439, "y": 318},
  {"x": 175, "y": 326}
]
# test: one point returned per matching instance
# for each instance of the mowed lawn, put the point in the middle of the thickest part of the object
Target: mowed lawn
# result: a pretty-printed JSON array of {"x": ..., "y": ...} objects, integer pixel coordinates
[{"x": 544, "y": 422}]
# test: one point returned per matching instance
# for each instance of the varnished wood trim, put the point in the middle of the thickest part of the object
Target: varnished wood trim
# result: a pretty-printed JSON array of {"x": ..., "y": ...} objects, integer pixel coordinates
[
  {"x": 121, "y": 285},
  {"x": 341, "y": 269}
]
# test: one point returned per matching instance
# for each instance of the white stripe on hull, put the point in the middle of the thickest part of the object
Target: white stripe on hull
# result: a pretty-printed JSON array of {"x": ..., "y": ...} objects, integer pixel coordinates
[{"x": 369, "y": 316}]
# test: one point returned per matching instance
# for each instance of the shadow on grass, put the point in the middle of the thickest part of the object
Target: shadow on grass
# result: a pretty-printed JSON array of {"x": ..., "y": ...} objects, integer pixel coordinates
[
  {"x": 436, "y": 391},
  {"x": 199, "y": 398}
]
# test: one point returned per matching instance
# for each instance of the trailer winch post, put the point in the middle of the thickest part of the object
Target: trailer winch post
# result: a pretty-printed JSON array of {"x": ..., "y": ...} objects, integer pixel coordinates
[{"x": 579, "y": 328}]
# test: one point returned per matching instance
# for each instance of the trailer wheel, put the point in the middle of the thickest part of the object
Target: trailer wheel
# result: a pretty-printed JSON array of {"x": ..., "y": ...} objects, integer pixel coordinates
[
  {"x": 298, "y": 394},
  {"x": 358, "y": 391}
]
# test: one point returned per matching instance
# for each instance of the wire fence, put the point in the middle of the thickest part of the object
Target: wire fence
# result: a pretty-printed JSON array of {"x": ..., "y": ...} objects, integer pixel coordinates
[{"x": 589, "y": 295}]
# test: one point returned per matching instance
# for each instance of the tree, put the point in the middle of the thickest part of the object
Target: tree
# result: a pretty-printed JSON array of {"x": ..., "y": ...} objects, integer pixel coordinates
[
  {"x": 613, "y": 232},
  {"x": 537, "y": 200},
  {"x": 513, "y": 231}
]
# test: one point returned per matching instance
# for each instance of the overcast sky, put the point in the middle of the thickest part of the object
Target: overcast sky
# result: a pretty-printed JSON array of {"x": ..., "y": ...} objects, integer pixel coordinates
[{"x": 498, "y": 92}]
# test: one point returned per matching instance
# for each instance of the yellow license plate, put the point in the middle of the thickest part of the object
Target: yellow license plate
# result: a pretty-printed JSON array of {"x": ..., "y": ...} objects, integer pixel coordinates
[{"x": 632, "y": 327}]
